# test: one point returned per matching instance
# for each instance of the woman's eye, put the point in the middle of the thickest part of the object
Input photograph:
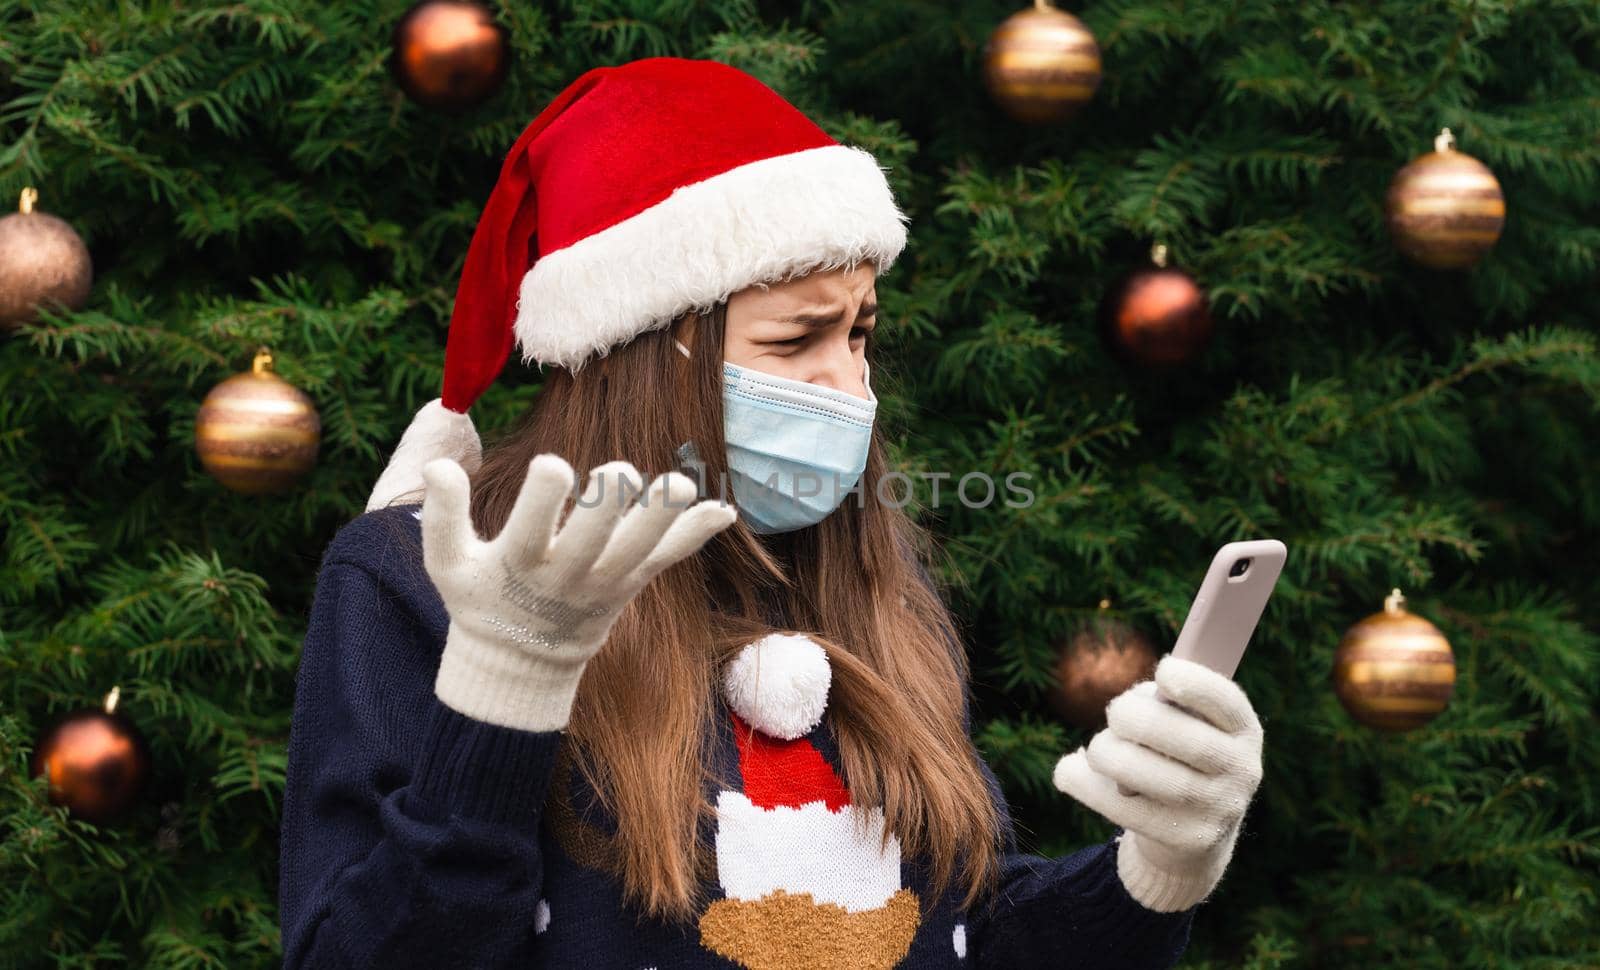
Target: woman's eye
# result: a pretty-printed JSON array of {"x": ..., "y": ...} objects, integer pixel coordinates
[
  {"x": 791, "y": 342},
  {"x": 859, "y": 333}
]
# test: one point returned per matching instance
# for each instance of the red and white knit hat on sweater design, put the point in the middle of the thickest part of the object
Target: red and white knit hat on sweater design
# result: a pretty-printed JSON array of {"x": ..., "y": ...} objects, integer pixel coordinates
[
  {"x": 810, "y": 878},
  {"x": 641, "y": 192}
]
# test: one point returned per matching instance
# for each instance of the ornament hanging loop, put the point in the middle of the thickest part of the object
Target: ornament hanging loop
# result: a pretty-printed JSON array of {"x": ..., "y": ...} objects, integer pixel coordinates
[
  {"x": 1444, "y": 141},
  {"x": 112, "y": 697},
  {"x": 30, "y": 195},
  {"x": 1158, "y": 255},
  {"x": 1394, "y": 601},
  {"x": 263, "y": 362},
  {"x": 1043, "y": 5}
]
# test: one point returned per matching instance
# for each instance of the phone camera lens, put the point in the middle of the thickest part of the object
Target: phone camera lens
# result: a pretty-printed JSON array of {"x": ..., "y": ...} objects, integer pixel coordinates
[{"x": 1239, "y": 568}]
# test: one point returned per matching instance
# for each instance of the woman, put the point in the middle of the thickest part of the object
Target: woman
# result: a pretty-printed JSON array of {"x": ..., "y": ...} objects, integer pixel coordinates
[{"x": 661, "y": 729}]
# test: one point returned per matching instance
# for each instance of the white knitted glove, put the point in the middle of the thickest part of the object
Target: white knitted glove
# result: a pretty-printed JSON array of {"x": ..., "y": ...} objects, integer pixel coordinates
[
  {"x": 1191, "y": 757},
  {"x": 531, "y": 606}
]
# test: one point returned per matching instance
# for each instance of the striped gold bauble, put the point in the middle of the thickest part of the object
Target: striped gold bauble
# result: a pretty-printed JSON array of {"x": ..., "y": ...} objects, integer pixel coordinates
[
  {"x": 1394, "y": 670},
  {"x": 255, "y": 432},
  {"x": 1041, "y": 65},
  {"x": 1445, "y": 209}
]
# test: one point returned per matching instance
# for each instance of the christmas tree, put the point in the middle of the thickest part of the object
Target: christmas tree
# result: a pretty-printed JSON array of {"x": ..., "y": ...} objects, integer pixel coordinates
[{"x": 249, "y": 174}]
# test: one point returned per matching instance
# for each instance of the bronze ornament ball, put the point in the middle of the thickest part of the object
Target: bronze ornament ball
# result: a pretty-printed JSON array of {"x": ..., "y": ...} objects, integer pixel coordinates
[
  {"x": 1394, "y": 670},
  {"x": 95, "y": 760},
  {"x": 1445, "y": 209},
  {"x": 1156, "y": 316},
  {"x": 43, "y": 261},
  {"x": 1095, "y": 665},
  {"x": 449, "y": 54},
  {"x": 255, "y": 432},
  {"x": 1041, "y": 65}
]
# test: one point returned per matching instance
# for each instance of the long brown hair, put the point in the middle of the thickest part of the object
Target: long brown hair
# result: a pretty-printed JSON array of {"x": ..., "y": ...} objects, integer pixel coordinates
[{"x": 897, "y": 702}]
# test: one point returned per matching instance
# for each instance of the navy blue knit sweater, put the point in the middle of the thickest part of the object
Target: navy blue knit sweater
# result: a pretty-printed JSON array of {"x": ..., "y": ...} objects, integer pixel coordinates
[{"x": 414, "y": 836}]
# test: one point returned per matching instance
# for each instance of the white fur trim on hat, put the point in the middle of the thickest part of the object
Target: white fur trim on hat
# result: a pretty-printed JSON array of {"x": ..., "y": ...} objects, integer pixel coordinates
[
  {"x": 762, "y": 222},
  {"x": 435, "y": 432},
  {"x": 779, "y": 685}
]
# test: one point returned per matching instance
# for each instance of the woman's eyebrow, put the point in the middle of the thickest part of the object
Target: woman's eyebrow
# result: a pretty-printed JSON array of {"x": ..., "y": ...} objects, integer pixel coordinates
[{"x": 823, "y": 319}]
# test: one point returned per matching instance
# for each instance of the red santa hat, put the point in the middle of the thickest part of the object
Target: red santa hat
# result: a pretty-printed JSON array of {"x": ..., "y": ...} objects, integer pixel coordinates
[{"x": 641, "y": 192}]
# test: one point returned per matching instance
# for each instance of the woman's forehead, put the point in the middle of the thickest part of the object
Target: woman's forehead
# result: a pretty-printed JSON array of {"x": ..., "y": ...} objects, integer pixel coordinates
[{"x": 824, "y": 290}]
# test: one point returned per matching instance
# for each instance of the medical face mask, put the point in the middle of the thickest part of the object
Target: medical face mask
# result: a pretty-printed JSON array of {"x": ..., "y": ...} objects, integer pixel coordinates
[{"x": 795, "y": 449}]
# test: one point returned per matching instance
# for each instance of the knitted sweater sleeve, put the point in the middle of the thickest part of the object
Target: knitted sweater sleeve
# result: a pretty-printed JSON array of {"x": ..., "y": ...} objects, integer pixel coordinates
[
  {"x": 1073, "y": 908},
  {"x": 410, "y": 832}
]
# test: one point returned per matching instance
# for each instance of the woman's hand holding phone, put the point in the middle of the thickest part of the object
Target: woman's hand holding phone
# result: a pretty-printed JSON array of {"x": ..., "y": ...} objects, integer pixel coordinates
[
  {"x": 1227, "y": 607},
  {"x": 1193, "y": 763},
  {"x": 1180, "y": 756},
  {"x": 531, "y": 606}
]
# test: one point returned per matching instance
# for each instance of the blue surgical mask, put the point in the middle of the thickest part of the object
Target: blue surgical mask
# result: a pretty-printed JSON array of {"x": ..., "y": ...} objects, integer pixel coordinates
[{"x": 795, "y": 449}]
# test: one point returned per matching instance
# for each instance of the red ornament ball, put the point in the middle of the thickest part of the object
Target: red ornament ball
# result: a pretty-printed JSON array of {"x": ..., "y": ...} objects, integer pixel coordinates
[
  {"x": 1095, "y": 666},
  {"x": 96, "y": 762},
  {"x": 1156, "y": 317},
  {"x": 450, "y": 54}
]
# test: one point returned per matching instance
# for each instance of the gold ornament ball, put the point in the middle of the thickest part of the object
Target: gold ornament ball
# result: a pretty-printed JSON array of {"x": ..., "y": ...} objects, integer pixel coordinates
[
  {"x": 95, "y": 760},
  {"x": 1445, "y": 208},
  {"x": 255, "y": 432},
  {"x": 1098, "y": 663},
  {"x": 42, "y": 261},
  {"x": 449, "y": 54},
  {"x": 1394, "y": 670},
  {"x": 1041, "y": 65}
]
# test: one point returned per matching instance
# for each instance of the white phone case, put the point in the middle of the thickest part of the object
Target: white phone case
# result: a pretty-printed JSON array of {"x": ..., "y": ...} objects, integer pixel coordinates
[{"x": 1227, "y": 607}]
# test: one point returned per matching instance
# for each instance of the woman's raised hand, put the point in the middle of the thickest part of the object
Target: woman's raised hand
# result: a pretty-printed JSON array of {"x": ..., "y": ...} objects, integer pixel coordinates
[{"x": 529, "y": 607}]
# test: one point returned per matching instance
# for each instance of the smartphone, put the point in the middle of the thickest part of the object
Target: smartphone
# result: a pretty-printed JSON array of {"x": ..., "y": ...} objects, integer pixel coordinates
[
  {"x": 1229, "y": 603},
  {"x": 1227, "y": 607}
]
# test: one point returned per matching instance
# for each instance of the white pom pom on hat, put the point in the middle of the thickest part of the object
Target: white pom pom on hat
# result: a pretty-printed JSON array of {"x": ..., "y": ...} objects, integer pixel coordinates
[{"x": 779, "y": 685}]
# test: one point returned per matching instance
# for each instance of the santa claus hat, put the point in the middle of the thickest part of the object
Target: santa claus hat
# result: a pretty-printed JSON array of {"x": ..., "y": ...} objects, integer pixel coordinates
[
  {"x": 795, "y": 829},
  {"x": 641, "y": 192},
  {"x": 777, "y": 691}
]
